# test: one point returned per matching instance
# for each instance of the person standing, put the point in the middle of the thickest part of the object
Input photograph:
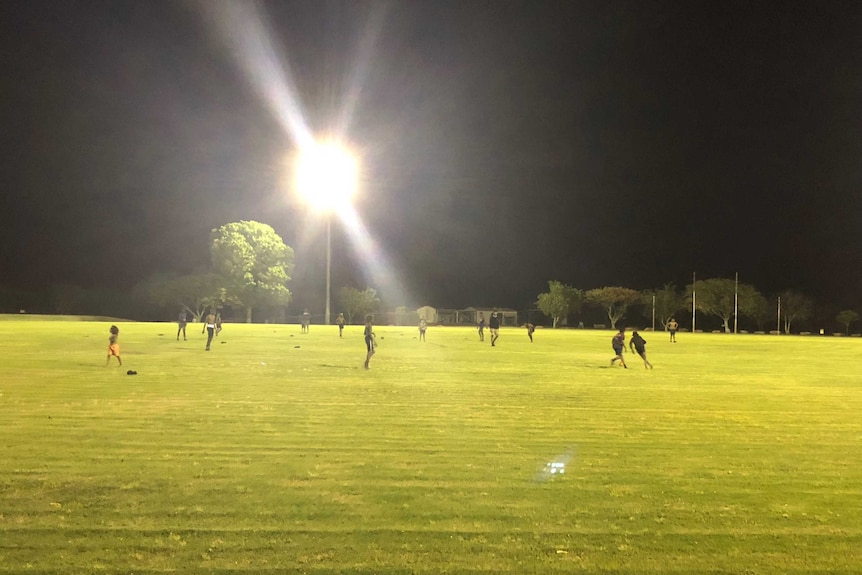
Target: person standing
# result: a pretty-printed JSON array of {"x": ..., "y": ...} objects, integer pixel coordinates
[
  {"x": 672, "y": 326},
  {"x": 530, "y": 329},
  {"x": 114, "y": 346},
  {"x": 218, "y": 323},
  {"x": 369, "y": 338},
  {"x": 481, "y": 326},
  {"x": 339, "y": 321},
  {"x": 209, "y": 327},
  {"x": 637, "y": 343},
  {"x": 306, "y": 320},
  {"x": 618, "y": 343},
  {"x": 182, "y": 320},
  {"x": 423, "y": 325},
  {"x": 494, "y": 325}
]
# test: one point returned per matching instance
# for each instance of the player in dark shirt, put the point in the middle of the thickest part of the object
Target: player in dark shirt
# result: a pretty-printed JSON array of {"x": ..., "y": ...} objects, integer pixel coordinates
[
  {"x": 494, "y": 325},
  {"x": 530, "y": 329},
  {"x": 618, "y": 342},
  {"x": 481, "y": 326},
  {"x": 637, "y": 343},
  {"x": 182, "y": 321}
]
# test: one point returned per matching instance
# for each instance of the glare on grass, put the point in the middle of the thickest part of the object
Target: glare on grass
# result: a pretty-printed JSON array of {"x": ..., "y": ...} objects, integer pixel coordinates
[{"x": 326, "y": 175}]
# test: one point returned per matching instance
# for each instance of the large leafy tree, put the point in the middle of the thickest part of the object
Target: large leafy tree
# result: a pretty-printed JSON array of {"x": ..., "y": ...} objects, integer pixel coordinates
[
  {"x": 614, "y": 300},
  {"x": 715, "y": 296},
  {"x": 559, "y": 301},
  {"x": 254, "y": 262},
  {"x": 357, "y": 302},
  {"x": 847, "y": 317},
  {"x": 668, "y": 302}
]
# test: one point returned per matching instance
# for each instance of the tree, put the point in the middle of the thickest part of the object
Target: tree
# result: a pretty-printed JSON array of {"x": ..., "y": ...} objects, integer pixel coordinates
[
  {"x": 760, "y": 311},
  {"x": 254, "y": 262},
  {"x": 560, "y": 301},
  {"x": 847, "y": 317},
  {"x": 615, "y": 301},
  {"x": 668, "y": 301},
  {"x": 715, "y": 296},
  {"x": 356, "y": 302},
  {"x": 194, "y": 292},
  {"x": 795, "y": 305}
]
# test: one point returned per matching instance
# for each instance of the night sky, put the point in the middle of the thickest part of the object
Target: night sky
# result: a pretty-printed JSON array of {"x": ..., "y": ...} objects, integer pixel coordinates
[{"x": 503, "y": 144}]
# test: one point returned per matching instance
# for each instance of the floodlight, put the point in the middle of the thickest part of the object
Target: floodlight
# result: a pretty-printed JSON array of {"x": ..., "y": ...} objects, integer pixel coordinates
[{"x": 326, "y": 175}]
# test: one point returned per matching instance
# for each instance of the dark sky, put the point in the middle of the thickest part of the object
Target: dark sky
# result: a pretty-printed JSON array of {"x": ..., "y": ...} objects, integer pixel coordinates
[{"x": 503, "y": 144}]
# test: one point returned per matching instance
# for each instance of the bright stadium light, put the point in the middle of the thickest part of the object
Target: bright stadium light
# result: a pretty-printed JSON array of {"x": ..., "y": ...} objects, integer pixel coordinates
[
  {"x": 326, "y": 175},
  {"x": 326, "y": 179}
]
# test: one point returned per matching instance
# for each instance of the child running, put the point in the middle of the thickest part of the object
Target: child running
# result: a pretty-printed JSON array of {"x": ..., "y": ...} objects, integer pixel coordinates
[
  {"x": 114, "y": 346},
  {"x": 530, "y": 329},
  {"x": 639, "y": 344},
  {"x": 618, "y": 342}
]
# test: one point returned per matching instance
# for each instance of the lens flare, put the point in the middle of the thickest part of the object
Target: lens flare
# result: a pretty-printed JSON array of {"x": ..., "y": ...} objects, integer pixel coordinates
[{"x": 241, "y": 27}]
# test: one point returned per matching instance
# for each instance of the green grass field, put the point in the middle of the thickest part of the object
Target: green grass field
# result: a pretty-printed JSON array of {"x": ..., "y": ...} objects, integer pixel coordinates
[{"x": 276, "y": 452}]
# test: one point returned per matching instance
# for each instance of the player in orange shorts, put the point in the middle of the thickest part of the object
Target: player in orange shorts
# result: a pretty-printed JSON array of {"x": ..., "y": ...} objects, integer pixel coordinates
[{"x": 113, "y": 346}]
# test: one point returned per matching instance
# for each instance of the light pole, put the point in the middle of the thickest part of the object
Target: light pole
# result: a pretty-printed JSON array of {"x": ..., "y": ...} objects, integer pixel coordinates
[
  {"x": 326, "y": 179},
  {"x": 326, "y": 315}
]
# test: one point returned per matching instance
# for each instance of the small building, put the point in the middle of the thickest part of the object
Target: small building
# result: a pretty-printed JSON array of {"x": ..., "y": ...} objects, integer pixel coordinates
[
  {"x": 470, "y": 316},
  {"x": 429, "y": 313}
]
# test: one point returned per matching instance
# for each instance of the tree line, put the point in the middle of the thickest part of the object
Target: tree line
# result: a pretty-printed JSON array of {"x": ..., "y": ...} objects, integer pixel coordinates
[
  {"x": 250, "y": 268},
  {"x": 724, "y": 299}
]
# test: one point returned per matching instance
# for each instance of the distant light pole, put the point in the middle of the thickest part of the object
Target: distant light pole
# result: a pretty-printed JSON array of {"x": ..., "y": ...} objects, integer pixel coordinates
[
  {"x": 653, "y": 312},
  {"x": 693, "y": 300},
  {"x": 326, "y": 179},
  {"x": 735, "y": 300},
  {"x": 778, "y": 327}
]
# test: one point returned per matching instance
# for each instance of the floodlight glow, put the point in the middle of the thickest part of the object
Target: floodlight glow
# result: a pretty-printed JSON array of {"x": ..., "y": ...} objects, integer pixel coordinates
[{"x": 326, "y": 175}]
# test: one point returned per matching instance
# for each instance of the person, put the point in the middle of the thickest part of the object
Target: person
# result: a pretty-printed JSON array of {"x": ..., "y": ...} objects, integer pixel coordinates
[
  {"x": 423, "y": 325},
  {"x": 218, "y": 323},
  {"x": 209, "y": 327},
  {"x": 530, "y": 329},
  {"x": 114, "y": 346},
  {"x": 618, "y": 342},
  {"x": 306, "y": 319},
  {"x": 637, "y": 343},
  {"x": 181, "y": 325},
  {"x": 369, "y": 338},
  {"x": 494, "y": 325},
  {"x": 339, "y": 321},
  {"x": 481, "y": 326},
  {"x": 672, "y": 326}
]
